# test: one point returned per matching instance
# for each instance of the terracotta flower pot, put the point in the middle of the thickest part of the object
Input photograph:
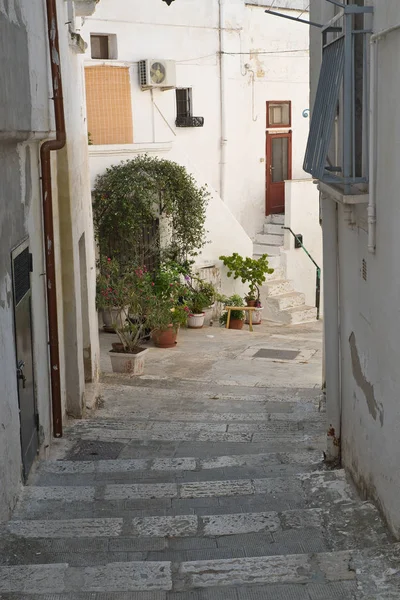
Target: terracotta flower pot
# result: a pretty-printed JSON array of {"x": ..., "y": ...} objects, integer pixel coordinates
[
  {"x": 236, "y": 324},
  {"x": 251, "y": 302},
  {"x": 165, "y": 338}
]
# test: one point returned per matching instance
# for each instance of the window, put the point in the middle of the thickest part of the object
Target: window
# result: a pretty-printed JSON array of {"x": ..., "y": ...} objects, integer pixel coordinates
[
  {"x": 278, "y": 114},
  {"x": 109, "y": 104},
  {"x": 103, "y": 46},
  {"x": 100, "y": 46},
  {"x": 337, "y": 148},
  {"x": 184, "y": 109},
  {"x": 183, "y": 103}
]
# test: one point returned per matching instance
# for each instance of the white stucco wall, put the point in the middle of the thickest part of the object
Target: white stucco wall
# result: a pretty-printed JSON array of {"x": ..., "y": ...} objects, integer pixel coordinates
[
  {"x": 369, "y": 323},
  {"x": 26, "y": 118},
  {"x": 276, "y": 54},
  {"x": 302, "y": 216}
]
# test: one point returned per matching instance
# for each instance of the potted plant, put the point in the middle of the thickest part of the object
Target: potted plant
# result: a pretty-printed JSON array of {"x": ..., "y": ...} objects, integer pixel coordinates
[
  {"x": 201, "y": 296},
  {"x": 106, "y": 299},
  {"x": 237, "y": 316},
  {"x": 250, "y": 270},
  {"x": 129, "y": 291},
  {"x": 166, "y": 310}
]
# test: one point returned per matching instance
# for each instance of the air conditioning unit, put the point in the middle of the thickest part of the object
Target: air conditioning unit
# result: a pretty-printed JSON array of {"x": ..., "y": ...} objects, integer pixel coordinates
[{"x": 157, "y": 73}]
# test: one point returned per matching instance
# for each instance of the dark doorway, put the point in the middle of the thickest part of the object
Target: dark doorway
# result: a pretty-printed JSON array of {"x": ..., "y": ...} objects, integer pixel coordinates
[{"x": 22, "y": 267}]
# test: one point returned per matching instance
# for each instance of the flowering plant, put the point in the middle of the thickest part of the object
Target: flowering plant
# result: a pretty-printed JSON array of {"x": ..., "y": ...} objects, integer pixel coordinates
[{"x": 125, "y": 291}]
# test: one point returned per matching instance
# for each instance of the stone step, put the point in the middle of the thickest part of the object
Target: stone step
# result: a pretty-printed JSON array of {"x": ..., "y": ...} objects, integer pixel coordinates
[
  {"x": 364, "y": 570},
  {"x": 288, "y": 300},
  {"x": 274, "y": 262},
  {"x": 302, "y": 314},
  {"x": 276, "y": 287},
  {"x": 103, "y": 468},
  {"x": 276, "y": 219},
  {"x": 271, "y": 239},
  {"x": 260, "y": 249},
  {"x": 303, "y": 490},
  {"x": 295, "y": 531},
  {"x": 275, "y": 228}
]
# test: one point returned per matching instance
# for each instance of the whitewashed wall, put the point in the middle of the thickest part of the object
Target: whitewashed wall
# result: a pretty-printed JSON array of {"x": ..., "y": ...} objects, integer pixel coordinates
[
  {"x": 302, "y": 216},
  {"x": 369, "y": 309},
  {"x": 276, "y": 54},
  {"x": 24, "y": 121}
]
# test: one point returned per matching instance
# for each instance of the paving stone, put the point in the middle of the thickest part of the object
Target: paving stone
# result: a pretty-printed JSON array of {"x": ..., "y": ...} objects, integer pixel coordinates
[
  {"x": 165, "y": 526},
  {"x": 140, "y": 491},
  {"x": 64, "y": 494},
  {"x": 211, "y": 594},
  {"x": 73, "y": 528},
  {"x": 194, "y": 543},
  {"x": 216, "y": 488},
  {"x": 125, "y": 577},
  {"x": 333, "y": 591},
  {"x": 240, "y": 523},
  {"x": 273, "y": 592},
  {"x": 33, "y": 578},
  {"x": 242, "y": 571}
]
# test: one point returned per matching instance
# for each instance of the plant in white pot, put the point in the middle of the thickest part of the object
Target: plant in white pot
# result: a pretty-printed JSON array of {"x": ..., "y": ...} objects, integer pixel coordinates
[
  {"x": 201, "y": 296},
  {"x": 128, "y": 291}
]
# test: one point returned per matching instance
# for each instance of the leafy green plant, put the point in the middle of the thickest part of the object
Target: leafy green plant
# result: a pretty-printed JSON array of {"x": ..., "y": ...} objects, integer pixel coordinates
[
  {"x": 135, "y": 200},
  {"x": 201, "y": 294},
  {"x": 126, "y": 292},
  {"x": 234, "y": 300},
  {"x": 249, "y": 270}
]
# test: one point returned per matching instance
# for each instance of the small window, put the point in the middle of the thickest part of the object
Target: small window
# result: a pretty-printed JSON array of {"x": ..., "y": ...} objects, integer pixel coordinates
[
  {"x": 100, "y": 46},
  {"x": 278, "y": 114},
  {"x": 183, "y": 103}
]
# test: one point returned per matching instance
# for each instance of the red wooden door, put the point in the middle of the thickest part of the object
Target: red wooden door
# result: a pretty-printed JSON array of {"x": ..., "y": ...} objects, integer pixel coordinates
[{"x": 278, "y": 170}]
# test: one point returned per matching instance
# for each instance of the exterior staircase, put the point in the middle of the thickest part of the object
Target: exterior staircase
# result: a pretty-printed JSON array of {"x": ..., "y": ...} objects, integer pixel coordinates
[{"x": 281, "y": 302}]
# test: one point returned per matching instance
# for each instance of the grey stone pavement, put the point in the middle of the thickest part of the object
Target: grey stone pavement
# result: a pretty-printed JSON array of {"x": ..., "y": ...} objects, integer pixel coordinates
[{"x": 201, "y": 480}]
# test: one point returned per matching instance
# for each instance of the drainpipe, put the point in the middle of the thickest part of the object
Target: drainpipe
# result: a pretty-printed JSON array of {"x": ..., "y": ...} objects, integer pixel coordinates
[
  {"x": 224, "y": 141},
  {"x": 331, "y": 325},
  {"x": 372, "y": 151},
  {"x": 374, "y": 40},
  {"x": 47, "y": 197}
]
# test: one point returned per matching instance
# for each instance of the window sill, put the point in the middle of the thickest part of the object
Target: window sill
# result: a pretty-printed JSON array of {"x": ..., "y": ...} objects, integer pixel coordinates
[
  {"x": 126, "y": 149},
  {"x": 336, "y": 194}
]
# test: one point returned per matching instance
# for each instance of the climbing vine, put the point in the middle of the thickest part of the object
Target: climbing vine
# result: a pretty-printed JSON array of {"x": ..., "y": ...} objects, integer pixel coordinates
[{"x": 149, "y": 209}]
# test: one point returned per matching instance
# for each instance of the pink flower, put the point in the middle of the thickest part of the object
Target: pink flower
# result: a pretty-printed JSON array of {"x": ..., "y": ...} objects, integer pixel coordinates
[{"x": 109, "y": 259}]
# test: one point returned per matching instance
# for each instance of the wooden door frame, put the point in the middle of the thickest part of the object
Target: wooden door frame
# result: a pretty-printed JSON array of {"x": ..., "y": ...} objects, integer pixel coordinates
[{"x": 268, "y": 147}]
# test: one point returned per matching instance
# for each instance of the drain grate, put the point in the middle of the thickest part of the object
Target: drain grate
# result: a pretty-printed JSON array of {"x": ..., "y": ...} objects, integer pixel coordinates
[
  {"x": 277, "y": 354},
  {"x": 94, "y": 450}
]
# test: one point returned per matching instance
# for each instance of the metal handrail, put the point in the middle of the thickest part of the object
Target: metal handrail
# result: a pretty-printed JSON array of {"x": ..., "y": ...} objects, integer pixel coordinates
[{"x": 318, "y": 281}]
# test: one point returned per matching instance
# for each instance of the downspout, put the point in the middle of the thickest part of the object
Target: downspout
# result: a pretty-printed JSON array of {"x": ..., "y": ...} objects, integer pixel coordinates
[
  {"x": 372, "y": 151},
  {"x": 224, "y": 141},
  {"x": 374, "y": 40},
  {"x": 331, "y": 328},
  {"x": 47, "y": 197}
]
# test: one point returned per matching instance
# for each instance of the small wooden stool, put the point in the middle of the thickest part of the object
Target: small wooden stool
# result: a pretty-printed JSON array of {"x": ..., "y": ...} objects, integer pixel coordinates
[{"x": 249, "y": 309}]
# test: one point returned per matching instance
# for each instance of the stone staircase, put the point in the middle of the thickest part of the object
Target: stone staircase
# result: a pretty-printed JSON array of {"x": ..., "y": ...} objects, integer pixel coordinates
[
  {"x": 190, "y": 491},
  {"x": 281, "y": 302}
]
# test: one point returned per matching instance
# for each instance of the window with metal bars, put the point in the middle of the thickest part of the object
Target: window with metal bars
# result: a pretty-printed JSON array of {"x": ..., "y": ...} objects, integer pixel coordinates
[
  {"x": 184, "y": 109},
  {"x": 337, "y": 150}
]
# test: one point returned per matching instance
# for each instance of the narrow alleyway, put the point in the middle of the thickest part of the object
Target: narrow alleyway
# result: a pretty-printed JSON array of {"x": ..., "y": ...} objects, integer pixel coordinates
[{"x": 202, "y": 480}]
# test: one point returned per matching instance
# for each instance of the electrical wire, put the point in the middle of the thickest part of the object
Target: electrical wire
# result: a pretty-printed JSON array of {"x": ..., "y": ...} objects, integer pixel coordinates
[{"x": 304, "y": 11}]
